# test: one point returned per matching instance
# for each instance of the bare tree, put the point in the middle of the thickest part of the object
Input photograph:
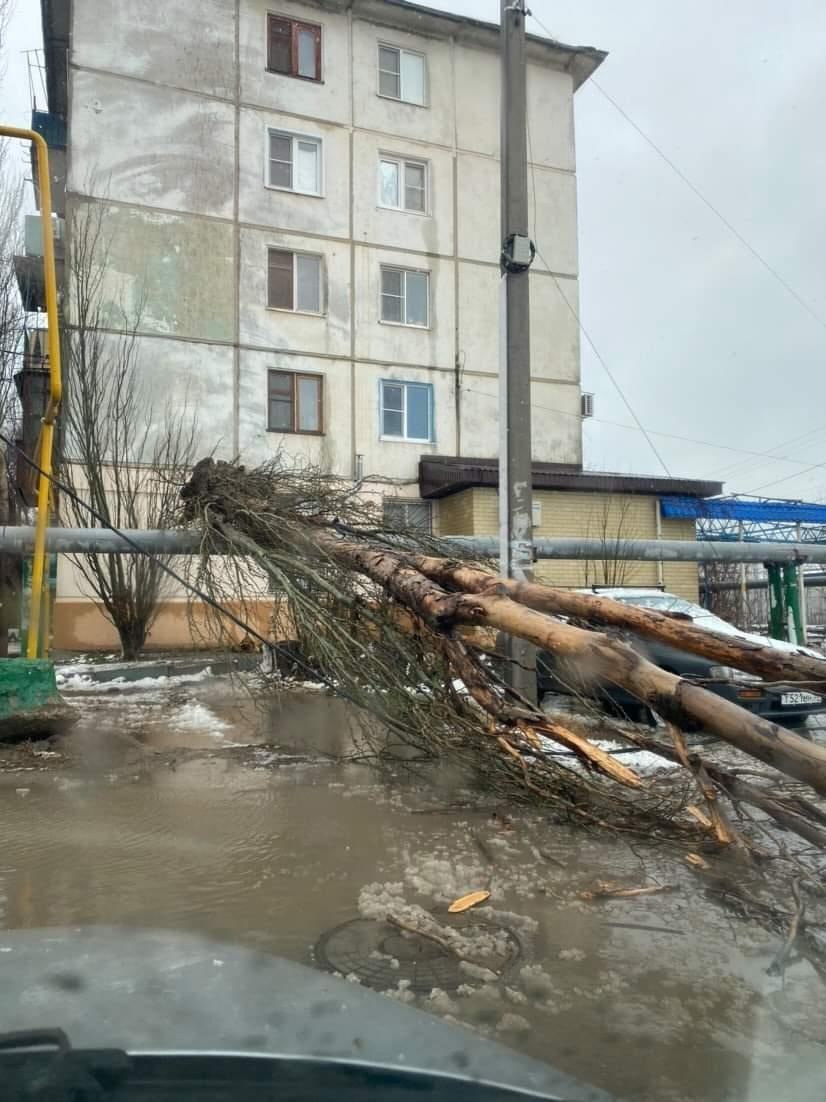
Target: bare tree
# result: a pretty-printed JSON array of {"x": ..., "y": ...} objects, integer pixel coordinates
[
  {"x": 611, "y": 523},
  {"x": 122, "y": 455},
  {"x": 12, "y": 321}
]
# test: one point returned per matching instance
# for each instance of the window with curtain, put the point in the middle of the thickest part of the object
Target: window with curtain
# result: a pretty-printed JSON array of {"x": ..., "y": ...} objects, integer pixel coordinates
[
  {"x": 401, "y": 74},
  {"x": 293, "y": 48},
  {"x": 402, "y": 184},
  {"x": 294, "y": 162}
]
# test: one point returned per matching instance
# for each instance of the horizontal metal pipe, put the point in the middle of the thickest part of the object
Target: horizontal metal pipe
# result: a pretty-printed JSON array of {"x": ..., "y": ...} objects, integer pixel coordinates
[
  {"x": 20, "y": 540},
  {"x": 655, "y": 550},
  {"x": 811, "y": 581},
  {"x": 64, "y": 541}
]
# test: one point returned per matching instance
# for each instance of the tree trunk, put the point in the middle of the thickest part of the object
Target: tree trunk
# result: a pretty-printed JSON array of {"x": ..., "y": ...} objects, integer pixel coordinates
[
  {"x": 603, "y": 659},
  {"x": 764, "y": 661},
  {"x": 132, "y": 640}
]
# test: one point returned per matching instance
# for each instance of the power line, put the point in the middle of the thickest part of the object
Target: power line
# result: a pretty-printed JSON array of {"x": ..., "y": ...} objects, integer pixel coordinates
[
  {"x": 577, "y": 318},
  {"x": 194, "y": 590},
  {"x": 696, "y": 191},
  {"x": 656, "y": 432}
]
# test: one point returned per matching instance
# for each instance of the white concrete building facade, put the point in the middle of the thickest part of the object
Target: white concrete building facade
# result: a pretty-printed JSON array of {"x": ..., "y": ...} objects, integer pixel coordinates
[
  {"x": 306, "y": 196},
  {"x": 303, "y": 197}
]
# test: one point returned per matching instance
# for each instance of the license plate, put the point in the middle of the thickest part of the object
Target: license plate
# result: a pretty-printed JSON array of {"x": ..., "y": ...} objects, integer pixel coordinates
[{"x": 789, "y": 699}]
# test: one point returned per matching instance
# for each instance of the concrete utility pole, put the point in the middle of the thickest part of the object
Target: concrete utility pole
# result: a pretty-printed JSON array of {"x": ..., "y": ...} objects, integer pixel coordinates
[{"x": 515, "y": 485}]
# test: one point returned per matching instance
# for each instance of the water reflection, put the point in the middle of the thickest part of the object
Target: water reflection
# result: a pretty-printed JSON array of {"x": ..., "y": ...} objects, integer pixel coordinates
[{"x": 238, "y": 829}]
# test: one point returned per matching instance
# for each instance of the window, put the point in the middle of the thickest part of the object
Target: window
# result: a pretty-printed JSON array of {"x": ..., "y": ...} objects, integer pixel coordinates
[
  {"x": 294, "y": 281},
  {"x": 294, "y": 402},
  {"x": 408, "y": 514},
  {"x": 294, "y": 162},
  {"x": 401, "y": 75},
  {"x": 404, "y": 296},
  {"x": 403, "y": 184},
  {"x": 293, "y": 48},
  {"x": 407, "y": 411}
]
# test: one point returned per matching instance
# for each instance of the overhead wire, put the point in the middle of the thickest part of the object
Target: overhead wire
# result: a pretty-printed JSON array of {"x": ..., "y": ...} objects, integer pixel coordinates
[
  {"x": 269, "y": 644},
  {"x": 699, "y": 194},
  {"x": 729, "y": 226},
  {"x": 578, "y": 320},
  {"x": 653, "y": 432}
]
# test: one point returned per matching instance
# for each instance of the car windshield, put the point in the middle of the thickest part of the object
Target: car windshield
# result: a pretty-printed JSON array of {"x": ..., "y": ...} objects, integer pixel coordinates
[{"x": 666, "y": 602}]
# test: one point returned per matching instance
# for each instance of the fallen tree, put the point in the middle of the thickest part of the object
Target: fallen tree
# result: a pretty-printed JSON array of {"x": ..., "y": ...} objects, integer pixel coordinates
[{"x": 396, "y": 625}]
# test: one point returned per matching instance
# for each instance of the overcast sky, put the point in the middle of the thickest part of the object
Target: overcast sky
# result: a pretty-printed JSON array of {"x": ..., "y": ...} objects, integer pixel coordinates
[{"x": 703, "y": 340}]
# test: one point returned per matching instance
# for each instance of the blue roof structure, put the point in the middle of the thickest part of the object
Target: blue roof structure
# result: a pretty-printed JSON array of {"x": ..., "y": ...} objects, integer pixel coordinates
[{"x": 745, "y": 509}]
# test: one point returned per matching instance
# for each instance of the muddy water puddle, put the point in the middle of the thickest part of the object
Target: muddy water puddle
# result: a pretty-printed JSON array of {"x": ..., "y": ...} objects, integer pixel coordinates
[{"x": 193, "y": 807}]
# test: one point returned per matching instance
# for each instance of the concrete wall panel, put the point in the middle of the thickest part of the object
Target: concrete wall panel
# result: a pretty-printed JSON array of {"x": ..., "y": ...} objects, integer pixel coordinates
[
  {"x": 399, "y": 459},
  {"x": 432, "y": 232},
  {"x": 327, "y": 215},
  {"x": 169, "y": 274},
  {"x": 325, "y": 99},
  {"x": 554, "y": 328},
  {"x": 433, "y": 122},
  {"x": 183, "y": 161},
  {"x": 333, "y": 449},
  {"x": 552, "y": 213},
  {"x": 143, "y": 39},
  {"x": 555, "y": 428},
  {"x": 328, "y": 333},
  {"x": 398, "y": 344}
]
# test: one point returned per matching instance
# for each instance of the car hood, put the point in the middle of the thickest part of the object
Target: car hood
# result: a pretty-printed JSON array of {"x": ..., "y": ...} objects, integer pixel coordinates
[{"x": 775, "y": 644}]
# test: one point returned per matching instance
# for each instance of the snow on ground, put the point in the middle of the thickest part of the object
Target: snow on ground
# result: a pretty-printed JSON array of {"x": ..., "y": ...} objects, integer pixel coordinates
[
  {"x": 194, "y": 716},
  {"x": 640, "y": 760},
  {"x": 69, "y": 680}
]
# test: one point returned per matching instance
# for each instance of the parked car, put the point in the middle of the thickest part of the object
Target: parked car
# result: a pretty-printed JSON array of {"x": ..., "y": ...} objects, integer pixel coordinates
[{"x": 785, "y": 704}]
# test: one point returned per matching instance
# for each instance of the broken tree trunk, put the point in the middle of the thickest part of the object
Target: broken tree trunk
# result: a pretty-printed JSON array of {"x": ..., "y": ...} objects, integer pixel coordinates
[
  {"x": 392, "y": 627},
  {"x": 725, "y": 650},
  {"x": 604, "y": 659}
]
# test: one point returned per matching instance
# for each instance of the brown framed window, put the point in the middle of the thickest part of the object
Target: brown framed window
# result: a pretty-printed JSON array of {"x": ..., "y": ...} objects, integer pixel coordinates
[
  {"x": 293, "y": 48},
  {"x": 295, "y": 402},
  {"x": 294, "y": 281}
]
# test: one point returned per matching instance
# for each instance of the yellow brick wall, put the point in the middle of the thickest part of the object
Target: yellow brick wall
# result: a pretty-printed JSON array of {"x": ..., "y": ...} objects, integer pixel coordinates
[
  {"x": 608, "y": 517},
  {"x": 453, "y": 515}
]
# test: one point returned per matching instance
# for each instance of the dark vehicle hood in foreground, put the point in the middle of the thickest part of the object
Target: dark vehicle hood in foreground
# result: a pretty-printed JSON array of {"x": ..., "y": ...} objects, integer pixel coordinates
[{"x": 154, "y": 991}]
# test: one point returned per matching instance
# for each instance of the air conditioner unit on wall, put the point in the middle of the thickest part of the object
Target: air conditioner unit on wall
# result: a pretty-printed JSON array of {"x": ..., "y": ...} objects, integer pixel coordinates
[{"x": 586, "y": 405}]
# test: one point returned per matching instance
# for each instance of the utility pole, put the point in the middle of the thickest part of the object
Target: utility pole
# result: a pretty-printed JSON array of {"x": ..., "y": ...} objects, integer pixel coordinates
[{"x": 515, "y": 483}]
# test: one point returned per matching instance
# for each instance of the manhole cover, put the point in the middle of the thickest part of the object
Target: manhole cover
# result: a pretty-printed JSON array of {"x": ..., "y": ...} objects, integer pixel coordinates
[{"x": 381, "y": 955}]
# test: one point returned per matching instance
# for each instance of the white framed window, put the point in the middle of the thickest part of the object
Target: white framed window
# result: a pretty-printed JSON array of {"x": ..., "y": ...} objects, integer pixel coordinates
[
  {"x": 401, "y": 513},
  {"x": 295, "y": 281},
  {"x": 401, "y": 74},
  {"x": 406, "y": 411},
  {"x": 402, "y": 184},
  {"x": 294, "y": 162},
  {"x": 405, "y": 296}
]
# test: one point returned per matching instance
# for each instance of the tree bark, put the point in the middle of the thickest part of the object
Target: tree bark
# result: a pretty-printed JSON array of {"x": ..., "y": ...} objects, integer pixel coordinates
[{"x": 764, "y": 661}]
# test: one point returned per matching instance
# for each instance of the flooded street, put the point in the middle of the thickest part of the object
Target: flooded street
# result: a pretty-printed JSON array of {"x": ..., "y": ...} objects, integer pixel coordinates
[{"x": 186, "y": 805}]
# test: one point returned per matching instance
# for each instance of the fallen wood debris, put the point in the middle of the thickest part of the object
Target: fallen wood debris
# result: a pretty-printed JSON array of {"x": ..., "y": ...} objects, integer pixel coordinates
[
  {"x": 603, "y": 890},
  {"x": 389, "y": 619}
]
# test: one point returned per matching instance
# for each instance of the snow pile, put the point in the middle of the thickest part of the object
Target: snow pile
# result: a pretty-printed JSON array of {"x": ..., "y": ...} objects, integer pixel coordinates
[
  {"x": 69, "y": 679},
  {"x": 194, "y": 716}
]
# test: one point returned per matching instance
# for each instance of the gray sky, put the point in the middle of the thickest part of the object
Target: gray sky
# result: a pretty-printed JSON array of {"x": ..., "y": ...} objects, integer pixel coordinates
[{"x": 704, "y": 341}]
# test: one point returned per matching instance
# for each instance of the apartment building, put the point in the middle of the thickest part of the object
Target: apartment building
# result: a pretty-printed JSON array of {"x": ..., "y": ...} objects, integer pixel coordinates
[{"x": 304, "y": 199}]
